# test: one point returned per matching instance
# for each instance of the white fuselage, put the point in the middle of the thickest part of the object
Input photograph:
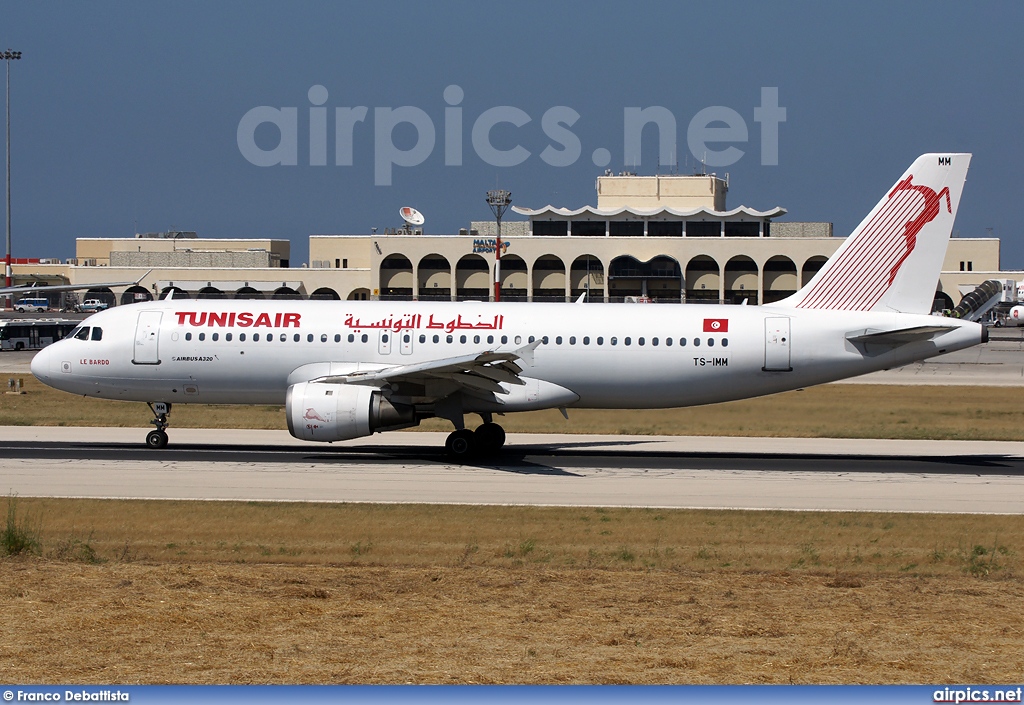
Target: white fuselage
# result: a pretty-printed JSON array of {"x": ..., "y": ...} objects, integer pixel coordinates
[{"x": 608, "y": 355}]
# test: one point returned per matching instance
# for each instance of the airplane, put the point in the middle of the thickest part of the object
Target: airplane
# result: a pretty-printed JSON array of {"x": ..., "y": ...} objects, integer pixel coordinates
[{"x": 347, "y": 369}]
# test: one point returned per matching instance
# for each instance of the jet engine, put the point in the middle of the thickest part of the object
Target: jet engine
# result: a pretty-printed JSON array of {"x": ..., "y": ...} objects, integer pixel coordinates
[{"x": 338, "y": 412}]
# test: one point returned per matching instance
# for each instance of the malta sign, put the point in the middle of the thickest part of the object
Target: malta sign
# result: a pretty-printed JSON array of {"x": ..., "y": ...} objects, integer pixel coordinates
[{"x": 486, "y": 246}]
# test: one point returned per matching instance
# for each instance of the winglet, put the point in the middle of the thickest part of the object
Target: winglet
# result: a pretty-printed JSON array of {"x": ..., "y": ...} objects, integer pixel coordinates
[{"x": 582, "y": 298}]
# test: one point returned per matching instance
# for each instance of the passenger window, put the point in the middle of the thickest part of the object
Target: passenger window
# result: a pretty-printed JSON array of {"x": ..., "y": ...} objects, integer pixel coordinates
[
  {"x": 490, "y": 339},
  {"x": 448, "y": 339},
  {"x": 639, "y": 341},
  {"x": 309, "y": 338},
  {"x": 284, "y": 337},
  {"x": 668, "y": 342},
  {"x": 628, "y": 340},
  {"x": 188, "y": 336},
  {"x": 337, "y": 338},
  {"x": 351, "y": 338},
  {"x": 83, "y": 333},
  {"x": 696, "y": 342},
  {"x": 558, "y": 340},
  {"x": 364, "y": 337},
  {"x": 600, "y": 340},
  {"x": 241, "y": 337},
  {"x": 423, "y": 338},
  {"x": 725, "y": 342},
  {"x": 544, "y": 340},
  {"x": 215, "y": 337},
  {"x": 476, "y": 338},
  {"x": 462, "y": 339},
  {"x": 654, "y": 342},
  {"x": 572, "y": 340},
  {"x": 504, "y": 340},
  {"x": 255, "y": 337},
  {"x": 384, "y": 338},
  {"x": 711, "y": 342},
  {"x": 437, "y": 339},
  {"x": 613, "y": 341},
  {"x": 682, "y": 342},
  {"x": 519, "y": 339},
  {"x": 97, "y": 333},
  {"x": 531, "y": 339},
  {"x": 586, "y": 340},
  {"x": 227, "y": 337},
  {"x": 406, "y": 338},
  {"x": 323, "y": 337},
  {"x": 202, "y": 337}
]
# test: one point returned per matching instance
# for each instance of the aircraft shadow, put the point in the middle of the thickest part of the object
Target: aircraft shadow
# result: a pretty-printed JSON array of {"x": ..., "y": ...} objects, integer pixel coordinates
[{"x": 564, "y": 459}]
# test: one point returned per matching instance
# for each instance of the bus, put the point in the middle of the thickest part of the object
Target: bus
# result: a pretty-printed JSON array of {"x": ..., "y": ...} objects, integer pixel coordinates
[{"x": 33, "y": 334}]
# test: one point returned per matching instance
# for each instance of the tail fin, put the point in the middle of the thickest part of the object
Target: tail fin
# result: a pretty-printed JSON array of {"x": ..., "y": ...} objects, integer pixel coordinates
[{"x": 892, "y": 260}]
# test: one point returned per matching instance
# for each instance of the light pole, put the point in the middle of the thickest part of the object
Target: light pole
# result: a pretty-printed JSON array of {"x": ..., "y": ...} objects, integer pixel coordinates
[
  {"x": 499, "y": 202},
  {"x": 8, "y": 56}
]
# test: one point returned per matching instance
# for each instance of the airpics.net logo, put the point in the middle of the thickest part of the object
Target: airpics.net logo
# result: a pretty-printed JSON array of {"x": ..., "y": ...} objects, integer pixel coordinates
[{"x": 715, "y": 136}]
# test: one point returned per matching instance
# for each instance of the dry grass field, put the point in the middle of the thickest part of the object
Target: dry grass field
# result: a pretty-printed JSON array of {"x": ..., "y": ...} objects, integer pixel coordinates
[
  {"x": 178, "y": 592},
  {"x": 829, "y": 411}
]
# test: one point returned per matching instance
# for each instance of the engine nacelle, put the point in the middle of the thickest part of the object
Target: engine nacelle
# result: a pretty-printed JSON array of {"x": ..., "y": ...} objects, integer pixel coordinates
[{"x": 338, "y": 412}]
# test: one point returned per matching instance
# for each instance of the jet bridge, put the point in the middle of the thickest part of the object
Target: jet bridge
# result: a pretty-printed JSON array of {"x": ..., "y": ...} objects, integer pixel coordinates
[{"x": 977, "y": 303}]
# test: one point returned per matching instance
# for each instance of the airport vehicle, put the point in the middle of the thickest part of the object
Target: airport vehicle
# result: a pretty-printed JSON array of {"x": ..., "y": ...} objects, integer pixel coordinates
[
  {"x": 34, "y": 333},
  {"x": 345, "y": 369},
  {"x": 32, "y": 305},
  {"x": 93, "y": 305}
]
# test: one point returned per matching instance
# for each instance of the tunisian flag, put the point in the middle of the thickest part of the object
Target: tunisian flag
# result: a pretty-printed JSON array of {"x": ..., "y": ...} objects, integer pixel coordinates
[{"x": 716, "y": 325}]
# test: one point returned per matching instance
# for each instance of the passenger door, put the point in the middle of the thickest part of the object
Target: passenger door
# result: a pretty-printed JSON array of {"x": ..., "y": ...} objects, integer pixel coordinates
[{"x": 147, "y": 338}]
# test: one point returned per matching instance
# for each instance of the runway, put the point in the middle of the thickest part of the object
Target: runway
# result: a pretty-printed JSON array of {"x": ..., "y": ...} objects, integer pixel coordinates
[{"x": 623, "y": 471}]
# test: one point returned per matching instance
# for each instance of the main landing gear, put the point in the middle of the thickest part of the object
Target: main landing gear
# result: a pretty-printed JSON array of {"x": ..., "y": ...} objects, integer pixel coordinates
[
  {"x": 486, "y": 440},
  {"x": 158, "y": 437}
]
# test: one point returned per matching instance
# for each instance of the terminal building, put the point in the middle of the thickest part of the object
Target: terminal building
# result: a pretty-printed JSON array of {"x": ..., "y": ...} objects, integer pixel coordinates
[{"x": 663, "y": 239}]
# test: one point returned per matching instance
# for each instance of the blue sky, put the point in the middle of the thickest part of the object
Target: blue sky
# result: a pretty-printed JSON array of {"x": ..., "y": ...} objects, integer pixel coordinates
[{"x": 125, "y": 116}]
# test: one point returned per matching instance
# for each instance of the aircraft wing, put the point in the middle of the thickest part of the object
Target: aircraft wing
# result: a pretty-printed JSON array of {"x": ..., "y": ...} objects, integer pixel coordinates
[
  {"x": 11, "y": 290},
  {"x": 895, "y": 338},
  {"x": 475, "y": 373}
]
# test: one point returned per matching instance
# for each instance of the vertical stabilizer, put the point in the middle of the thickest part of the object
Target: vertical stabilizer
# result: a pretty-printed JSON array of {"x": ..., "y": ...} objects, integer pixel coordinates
[{"x": 892, "y": 260}]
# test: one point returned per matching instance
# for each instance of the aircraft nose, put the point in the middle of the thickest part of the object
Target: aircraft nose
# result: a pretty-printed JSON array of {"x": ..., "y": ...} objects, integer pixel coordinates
[{"x": 40, "y": 365}]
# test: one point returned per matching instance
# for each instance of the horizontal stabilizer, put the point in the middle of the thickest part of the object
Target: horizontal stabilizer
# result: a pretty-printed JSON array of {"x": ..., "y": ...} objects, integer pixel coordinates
[{"x": 895, "y": 338}]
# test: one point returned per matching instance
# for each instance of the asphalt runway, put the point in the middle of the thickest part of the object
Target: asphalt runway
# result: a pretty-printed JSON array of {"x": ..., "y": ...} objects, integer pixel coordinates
[{"x": 624, "y": 471}]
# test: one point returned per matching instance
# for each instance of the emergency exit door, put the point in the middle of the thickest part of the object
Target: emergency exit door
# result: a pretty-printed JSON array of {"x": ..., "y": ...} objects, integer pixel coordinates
[
  {"x": 777, "y": 345},
  {"x": 147, "y": 338}
]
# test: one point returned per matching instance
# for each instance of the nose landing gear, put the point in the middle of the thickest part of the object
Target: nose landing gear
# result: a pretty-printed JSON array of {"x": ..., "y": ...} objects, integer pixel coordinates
[{"x": 158, "y": 437}]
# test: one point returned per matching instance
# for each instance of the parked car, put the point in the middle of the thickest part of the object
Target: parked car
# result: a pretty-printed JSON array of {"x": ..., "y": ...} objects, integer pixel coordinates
[
  {"x": 32, "y": 305},
  {"x": 93, "y": 305}
]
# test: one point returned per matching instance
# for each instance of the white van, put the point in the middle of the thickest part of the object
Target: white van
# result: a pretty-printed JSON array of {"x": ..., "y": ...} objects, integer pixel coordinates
[{"x": 32, "y": 305}]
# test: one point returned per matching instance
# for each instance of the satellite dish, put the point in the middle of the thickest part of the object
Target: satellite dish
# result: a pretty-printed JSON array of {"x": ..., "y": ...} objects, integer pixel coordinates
[{"x": 411, "y": 216}]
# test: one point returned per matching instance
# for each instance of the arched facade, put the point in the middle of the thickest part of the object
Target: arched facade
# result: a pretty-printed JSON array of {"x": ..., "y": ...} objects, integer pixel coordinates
[
  {"x": 703, "y": 279},
  {"x": 779, "y": 278},
  {"x": 473, "y": 279},
  {"x": 210, "y": 292},
  {"x": 179, "y": 293},
  {"x": 247, "y": 292},
  {"x": 586, "y": 273},
  {"x": 434, "y": 275},
  {"x": 286, "y": 292},
  {"x": 359, "y": 295},
  {"x": 396, "y": 277},
  {"x": 136, "y": 294},
  {"x": 103, "y": 294},
  {"x": 515, "y": 279},
  {"x": 810, "y": 268},
  {"x": 548, "y": 279},
  {"x": 741, "y": 280},
  {"x": 325, "y": 294}
]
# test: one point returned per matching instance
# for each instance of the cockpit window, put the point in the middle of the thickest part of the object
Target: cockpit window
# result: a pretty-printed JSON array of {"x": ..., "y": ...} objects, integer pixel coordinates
[
  {"x": 83, "y": 333},
  {"x": 97, "y": 333},
  {"x": 74, "y": 332}
]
